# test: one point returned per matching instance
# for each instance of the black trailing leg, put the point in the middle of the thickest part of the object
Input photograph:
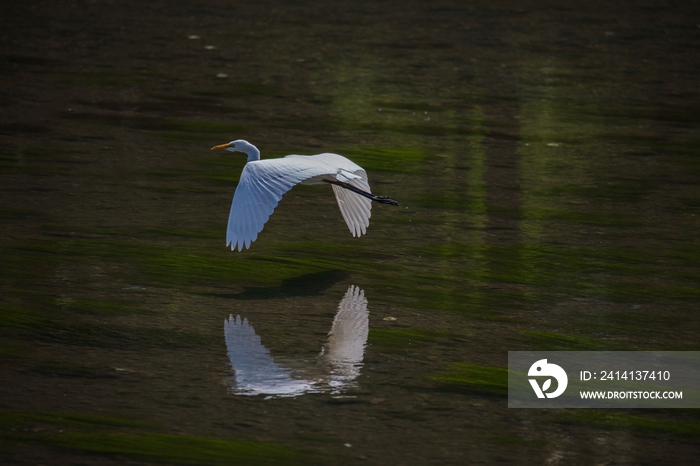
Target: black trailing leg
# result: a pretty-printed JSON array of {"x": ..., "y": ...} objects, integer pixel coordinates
[{"x": 380, "y": 199}]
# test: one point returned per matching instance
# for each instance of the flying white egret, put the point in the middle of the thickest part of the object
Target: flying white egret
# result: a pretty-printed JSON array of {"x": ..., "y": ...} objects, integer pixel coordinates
[{"x": 264, "y": 182}]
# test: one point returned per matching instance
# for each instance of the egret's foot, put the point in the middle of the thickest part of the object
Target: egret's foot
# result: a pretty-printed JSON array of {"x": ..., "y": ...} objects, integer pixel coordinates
[
  {"x": 355, "y": 189},
  {"x": 385, "y": 200}
]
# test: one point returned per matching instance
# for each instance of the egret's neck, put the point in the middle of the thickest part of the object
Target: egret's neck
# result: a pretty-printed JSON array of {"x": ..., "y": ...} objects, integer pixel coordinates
[{"x": 252, "y": 152}]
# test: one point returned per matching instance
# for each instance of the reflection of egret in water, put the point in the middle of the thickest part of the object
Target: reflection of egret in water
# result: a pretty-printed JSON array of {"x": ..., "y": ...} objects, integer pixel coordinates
[{"x": 337, "y": 366}]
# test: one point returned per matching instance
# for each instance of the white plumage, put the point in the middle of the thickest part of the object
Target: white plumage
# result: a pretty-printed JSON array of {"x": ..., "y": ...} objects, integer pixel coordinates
[{"x": 264, "y": 182}]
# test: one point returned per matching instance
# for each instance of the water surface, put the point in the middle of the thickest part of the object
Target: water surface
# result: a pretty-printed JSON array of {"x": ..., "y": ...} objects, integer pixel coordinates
[{"x": 545, "y": 157}]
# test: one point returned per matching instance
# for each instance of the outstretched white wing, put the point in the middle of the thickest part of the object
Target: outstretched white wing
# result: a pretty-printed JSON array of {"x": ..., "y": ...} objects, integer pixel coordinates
[
  {"x": 356, "y": 209},
  {"x": 264, "y": 182}
]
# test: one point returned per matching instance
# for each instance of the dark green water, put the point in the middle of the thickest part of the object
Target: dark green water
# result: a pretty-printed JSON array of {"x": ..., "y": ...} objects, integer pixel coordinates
[{"x": 546, "y": 158}]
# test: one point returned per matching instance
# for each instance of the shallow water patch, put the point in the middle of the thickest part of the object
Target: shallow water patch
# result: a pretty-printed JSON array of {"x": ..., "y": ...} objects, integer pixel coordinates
[
  {"x": 550, "y": 341},
  {"x": 143, "y": 441},
  {"x": 242, "y": 88},
  {"x": 182, "y": 449},
  {"x": 386, "y": 159},
  {"x": 14, "y": 351},
  {"x": 118, "y": 336},
  {"x": 392, "y": 340},
  {"x": 105, "y": 308},
  {"x": 11, "y": 316},
  {"x": 114, "y": 78},
  {"x": 487, "y": 380},
  {"x": 9, "y": 420},
  {"x": 624, "y": 421},
  {"x": 54, "y": 368}
]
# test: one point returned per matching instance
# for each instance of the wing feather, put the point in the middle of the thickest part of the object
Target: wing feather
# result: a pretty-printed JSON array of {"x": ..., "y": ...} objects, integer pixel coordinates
[
  {"x": 264, "y": 182},
  {"x": 356, "y": 209},
  {"x": 346, "y": 209}
]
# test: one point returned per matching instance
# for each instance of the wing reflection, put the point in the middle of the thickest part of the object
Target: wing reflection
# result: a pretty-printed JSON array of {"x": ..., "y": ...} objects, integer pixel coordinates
[
  {"x": 256, "y": 371},
  {"x": 348, "y": 337},
  {"x": 336, "y": 369}
]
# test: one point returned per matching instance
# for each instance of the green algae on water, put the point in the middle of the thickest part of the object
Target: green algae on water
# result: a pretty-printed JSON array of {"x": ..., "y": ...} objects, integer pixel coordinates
[
  {"x": 487, "y": 380},
  {"x": 11, "y": 316},
  {"x": 385, "y": 159},
  {"x": 143, "y": 441},
  {"x": 182, "y": 449},
  {"x": 9, "y": 420},
  {"x": 392, "y": 340},
  {"x": 550, "y": 341},
  {"x": 617, "y": 420},
  {"x": 95, "y": 307}
]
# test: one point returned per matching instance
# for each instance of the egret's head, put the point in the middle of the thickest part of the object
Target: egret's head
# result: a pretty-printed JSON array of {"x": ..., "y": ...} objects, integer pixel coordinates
[{"x": 239, "y": 145}]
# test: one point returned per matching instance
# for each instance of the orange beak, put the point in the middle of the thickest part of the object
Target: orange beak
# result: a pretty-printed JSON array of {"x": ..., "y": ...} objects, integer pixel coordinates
[{"x": 221, "y": 146}]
